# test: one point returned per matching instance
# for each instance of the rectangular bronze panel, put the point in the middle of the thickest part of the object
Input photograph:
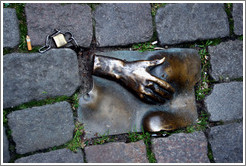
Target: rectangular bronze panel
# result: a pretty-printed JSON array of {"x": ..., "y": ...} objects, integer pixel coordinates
[{"x": 109, "y": 107}]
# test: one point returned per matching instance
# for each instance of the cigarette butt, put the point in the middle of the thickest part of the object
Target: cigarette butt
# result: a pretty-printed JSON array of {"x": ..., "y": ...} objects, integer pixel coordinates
[
  {"x": 153, "y": 43},
  {"x": 28, "y": 41}
]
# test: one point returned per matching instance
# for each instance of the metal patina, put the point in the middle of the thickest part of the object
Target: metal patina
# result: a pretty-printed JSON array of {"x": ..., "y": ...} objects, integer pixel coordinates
[{"x": 154, "y": 90}]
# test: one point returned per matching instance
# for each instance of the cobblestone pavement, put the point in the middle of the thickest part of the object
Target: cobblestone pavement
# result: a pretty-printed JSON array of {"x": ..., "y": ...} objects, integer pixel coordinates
[{"x": 41, "y": 91}]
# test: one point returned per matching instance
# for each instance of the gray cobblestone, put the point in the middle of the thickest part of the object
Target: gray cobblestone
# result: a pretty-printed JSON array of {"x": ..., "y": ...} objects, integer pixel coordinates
[
  {"x": 225, "y": 103},
  {"x": 38, "y": 76},
  {"x": 6, "y": 156},
  {"x": 227, "y": 143},
  {"x": 181, "y": 148},
  {"x": 57, "y": 156},
  {"x": 177, "y": 23},
  {"x": 117, "y": 152},
  {"x": 11, "y": 32},
  {"x": 227, "y": 60},
  {"x": 237, "y": 14},
  {"x": 41, "y": 127},
  {"x": 123, "y": 24}
]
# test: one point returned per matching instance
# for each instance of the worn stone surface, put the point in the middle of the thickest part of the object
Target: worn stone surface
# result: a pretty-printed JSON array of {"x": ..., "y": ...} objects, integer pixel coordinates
[
  {"x": 123, "y": 24},
  {"x": 38, "y": 76},
  {"x": 117, "y": 152},
  {"x": 227, "y": 143},
  {"x": 43, "y": 18},
  {"x": 225, "y": 103},
  {"x": 41, "y": 127},
  {"x": 227, "y": 60},
  {"x": 6, "y": 155},
  {"x": 237, "y": 14},
  {"x": 11, "y": 33},
  {"x": 177, "y": 23},
  {"x": 57, "y": 156},
  {"x": 181, "y": 148},
  {"x": 111, "y": 108}
]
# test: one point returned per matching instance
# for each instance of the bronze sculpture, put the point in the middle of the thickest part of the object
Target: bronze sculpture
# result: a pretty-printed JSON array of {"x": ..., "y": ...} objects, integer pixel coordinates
[
  {"x": 135, "y": 76},
  {"x": 168, "y": 106}
]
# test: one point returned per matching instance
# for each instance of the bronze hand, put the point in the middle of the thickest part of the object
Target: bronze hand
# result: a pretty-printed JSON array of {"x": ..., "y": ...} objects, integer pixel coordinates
[{"x": 135, "y": 76}]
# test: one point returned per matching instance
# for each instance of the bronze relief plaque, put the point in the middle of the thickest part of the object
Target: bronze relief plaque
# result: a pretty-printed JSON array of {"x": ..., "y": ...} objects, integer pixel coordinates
[{"x": 110, "y": 108}]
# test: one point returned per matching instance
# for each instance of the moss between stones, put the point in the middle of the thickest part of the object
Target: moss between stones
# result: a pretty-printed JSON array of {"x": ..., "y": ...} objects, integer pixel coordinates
[
  {"x": 146, "y": 137},
  {"x": 93, "y": 5},
  {"x": 155, "y": 7},
  {"x": 35, "y": 103},
  {"x": 228, "y": 10},
  {"x": 240, "y": 37}
]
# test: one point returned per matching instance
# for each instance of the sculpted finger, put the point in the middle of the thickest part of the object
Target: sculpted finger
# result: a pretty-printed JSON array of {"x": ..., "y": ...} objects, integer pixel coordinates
[
  {"x": 146, "y": 99},
  {"x": 150, "y": 95},
  {"x": 156, "y": 62},
  {"x": 150, "y": 63},
  {"x": 163, "y": 84},
  {"x": 163, "y": 93},
  {"x": 159, "y": 91}
]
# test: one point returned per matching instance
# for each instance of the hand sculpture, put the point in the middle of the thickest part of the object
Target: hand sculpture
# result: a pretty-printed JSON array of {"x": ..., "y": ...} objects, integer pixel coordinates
[{"x": 135, "y": 76}]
